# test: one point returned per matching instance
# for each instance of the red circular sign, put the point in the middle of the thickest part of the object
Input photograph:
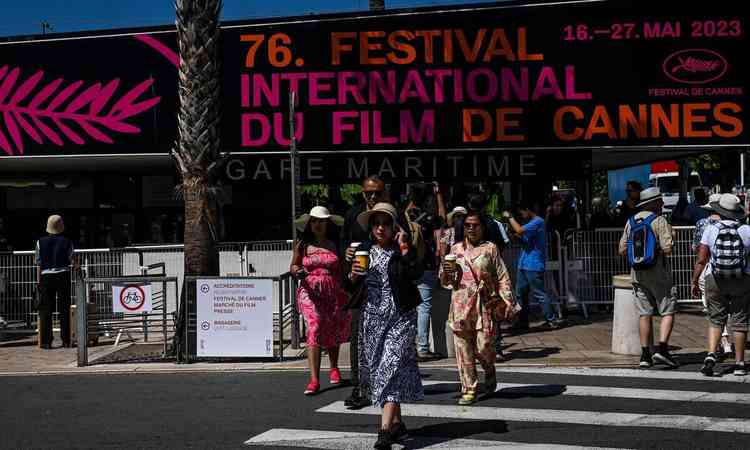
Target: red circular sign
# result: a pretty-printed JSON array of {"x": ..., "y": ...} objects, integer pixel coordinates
[{"x": 132, "y": 297}]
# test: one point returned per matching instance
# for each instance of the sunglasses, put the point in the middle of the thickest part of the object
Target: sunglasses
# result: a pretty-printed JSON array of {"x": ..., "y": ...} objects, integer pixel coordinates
[
  {"x": 471, "y": 226},
  {"x": 381, "y": 223}
]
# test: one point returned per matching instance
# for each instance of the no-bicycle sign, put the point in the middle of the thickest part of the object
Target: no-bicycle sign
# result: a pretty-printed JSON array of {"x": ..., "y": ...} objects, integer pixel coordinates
[{"x": 131, "y": 298}]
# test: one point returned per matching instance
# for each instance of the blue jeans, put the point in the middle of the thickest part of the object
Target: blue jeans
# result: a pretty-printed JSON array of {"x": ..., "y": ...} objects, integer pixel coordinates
[
  {"x": 532, "y": 282},
  {"x": 426, "y": 285}
]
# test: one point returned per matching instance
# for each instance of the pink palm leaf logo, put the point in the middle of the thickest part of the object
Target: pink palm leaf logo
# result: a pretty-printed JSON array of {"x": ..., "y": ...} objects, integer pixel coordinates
[{"x": 52, "y": 111}]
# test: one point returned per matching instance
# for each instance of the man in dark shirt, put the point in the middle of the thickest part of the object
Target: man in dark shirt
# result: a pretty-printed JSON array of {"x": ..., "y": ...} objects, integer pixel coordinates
[
  {"x": 373, "y": 192},
  {"x": 54, "y": 258},
  {"x": 629, "y": 207}
]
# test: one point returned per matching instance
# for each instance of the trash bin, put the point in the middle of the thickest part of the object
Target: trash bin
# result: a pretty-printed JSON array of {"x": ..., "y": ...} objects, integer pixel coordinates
[{"x": 625, "y": 330}]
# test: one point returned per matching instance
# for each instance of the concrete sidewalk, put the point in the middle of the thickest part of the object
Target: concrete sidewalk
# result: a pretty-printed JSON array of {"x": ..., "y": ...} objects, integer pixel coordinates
[{"x": 582, "y": 343}]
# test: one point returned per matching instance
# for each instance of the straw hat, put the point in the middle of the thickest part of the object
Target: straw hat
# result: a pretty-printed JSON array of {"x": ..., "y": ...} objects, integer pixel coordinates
[
  {"x": 55, "y": 225},
  {"x": 318, "y": 212},
  {"x": 729, "y": 206},
  {"x": 649, "y": 195},
  {"x": 380, "y": 208},
  {"x": 458, "y": 210},
  {"x": 713, "y": 198}
]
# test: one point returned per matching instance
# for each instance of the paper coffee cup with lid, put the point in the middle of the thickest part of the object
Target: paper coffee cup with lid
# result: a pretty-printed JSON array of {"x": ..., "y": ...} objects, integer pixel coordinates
[
  {"x": 363, "y": 258},
  {"x": 451, "y": 260}
]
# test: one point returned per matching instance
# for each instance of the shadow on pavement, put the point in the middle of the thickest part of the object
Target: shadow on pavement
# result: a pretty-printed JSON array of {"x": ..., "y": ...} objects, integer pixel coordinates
[
  {"x": 430, "y": 435},
  {"x": 538, "y": 391},
  {"x": 532, "y": 353}
]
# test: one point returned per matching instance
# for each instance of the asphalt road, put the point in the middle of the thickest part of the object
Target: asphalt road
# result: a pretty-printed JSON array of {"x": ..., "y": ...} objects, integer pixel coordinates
[{"x": 555, "y": 408}]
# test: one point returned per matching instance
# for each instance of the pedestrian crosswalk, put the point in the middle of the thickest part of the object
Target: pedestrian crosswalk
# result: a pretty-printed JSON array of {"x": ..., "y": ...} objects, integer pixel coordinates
[
  {"x": 338, "y": 440},
  {"x": 690, "y": 407}
]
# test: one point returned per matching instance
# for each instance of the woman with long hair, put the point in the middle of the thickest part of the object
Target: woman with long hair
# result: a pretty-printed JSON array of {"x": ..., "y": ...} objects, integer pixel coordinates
[
  {"x": 482, "y": 290},
  {"x": 383, "y": 277},
  {"x": 320, "y": 297}
]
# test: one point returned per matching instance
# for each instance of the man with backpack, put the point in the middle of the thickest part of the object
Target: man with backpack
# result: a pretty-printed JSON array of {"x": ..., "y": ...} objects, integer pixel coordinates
[
  {"x": 724, "y": 247},
  {"x": 647, "y": 241}
]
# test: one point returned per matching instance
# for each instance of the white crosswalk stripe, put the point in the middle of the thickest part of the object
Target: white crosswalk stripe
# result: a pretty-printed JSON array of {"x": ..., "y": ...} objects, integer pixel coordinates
[
  {"x": 614, "y": 392},
  {"x": 682, "y": 422},
  {"x": 340, "y": 439},
  {"x": 629, "y": 373},
  {"x": 583, "y": 412}
]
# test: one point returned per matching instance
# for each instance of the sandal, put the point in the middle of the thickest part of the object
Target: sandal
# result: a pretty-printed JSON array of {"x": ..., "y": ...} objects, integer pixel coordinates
[
  {"x": 312, "y": 388},
  {"x": 469, "y": 398}
]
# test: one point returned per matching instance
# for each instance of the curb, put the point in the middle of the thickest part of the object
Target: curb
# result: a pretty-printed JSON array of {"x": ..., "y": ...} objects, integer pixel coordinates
[{"x": 103, "y": 370}]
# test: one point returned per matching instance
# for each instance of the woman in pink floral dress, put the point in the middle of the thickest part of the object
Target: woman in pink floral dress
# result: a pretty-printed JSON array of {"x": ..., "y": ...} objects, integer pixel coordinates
[{"x": 320, "y": 298}]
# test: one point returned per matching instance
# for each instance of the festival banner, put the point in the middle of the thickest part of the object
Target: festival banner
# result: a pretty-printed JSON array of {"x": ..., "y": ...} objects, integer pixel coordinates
[{"x": 505, "y": 76}]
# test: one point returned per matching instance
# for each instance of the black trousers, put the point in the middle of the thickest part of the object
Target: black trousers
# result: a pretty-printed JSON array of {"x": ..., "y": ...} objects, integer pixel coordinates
[{"x": 54, "y": 288}]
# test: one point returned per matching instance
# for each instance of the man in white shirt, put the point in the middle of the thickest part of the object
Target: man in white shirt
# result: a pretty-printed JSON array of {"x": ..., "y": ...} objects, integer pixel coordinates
[{"x": 724, "y": 247}]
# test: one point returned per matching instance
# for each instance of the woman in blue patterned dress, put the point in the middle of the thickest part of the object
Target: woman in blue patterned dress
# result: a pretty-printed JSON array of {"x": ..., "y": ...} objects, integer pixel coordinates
[{"x": 387, "y": 355}]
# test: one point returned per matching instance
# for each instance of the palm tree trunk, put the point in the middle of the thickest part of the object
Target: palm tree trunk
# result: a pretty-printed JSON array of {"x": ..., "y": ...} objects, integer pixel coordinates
[
  {"x": 200, "y": 254},
  {"x": 197, "y": 153},
  {"x": 377, "y": 5}
]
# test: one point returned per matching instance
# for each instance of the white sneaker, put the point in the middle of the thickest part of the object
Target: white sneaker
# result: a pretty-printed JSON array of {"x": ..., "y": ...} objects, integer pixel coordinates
[{"x": 739, "y": 369}]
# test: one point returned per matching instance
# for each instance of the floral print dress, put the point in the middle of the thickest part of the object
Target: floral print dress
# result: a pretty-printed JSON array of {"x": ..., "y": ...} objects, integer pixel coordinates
[{"x": 321, "y": 300}]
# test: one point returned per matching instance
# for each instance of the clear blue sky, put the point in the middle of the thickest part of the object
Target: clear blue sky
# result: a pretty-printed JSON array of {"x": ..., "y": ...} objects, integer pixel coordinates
[{"x": 18, "y": 17}]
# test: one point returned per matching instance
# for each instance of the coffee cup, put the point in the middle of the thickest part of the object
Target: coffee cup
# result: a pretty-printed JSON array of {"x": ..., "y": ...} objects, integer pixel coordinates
[
  {"x": 451, "y": 261},
  {"x": 363, "y": 258},
  {"x": 353, "y": 247}
]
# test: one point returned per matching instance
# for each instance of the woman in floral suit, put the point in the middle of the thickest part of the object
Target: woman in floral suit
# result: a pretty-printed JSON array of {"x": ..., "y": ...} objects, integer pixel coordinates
[{"x": 481, "y": 289}]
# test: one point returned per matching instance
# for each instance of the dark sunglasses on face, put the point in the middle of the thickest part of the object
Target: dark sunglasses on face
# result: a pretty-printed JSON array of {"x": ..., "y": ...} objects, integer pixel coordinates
[
  {"x": 380, "y": 222},
  {"x": 470, "y": 226}
]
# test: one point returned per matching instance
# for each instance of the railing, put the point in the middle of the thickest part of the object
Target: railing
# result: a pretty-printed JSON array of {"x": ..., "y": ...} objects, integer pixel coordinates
[
  {"x": 101, "y": 319},
  {"x": 592, "y": 259},
  {"x": 579, "y": 270},
  {"x": 18, "y": 269}
]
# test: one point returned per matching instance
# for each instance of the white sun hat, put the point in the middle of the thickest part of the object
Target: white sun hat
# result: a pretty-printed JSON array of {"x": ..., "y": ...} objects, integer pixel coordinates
[
  {"x": 318, "y": 212},
  {"x": 649, "y": 195}
]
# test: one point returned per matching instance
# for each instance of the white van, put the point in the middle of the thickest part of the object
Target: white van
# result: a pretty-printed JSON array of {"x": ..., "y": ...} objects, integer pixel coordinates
[{"x": 669, "y": 184}]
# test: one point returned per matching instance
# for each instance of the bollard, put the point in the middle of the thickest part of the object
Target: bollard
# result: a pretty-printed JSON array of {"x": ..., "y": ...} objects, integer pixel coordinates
[{"x": 625, "y": 337}]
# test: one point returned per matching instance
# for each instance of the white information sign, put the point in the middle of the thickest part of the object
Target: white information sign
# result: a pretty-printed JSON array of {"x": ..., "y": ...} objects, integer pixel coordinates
[
  {"x": 131, "y": 298},
  {"x": 235, "y": 317}
]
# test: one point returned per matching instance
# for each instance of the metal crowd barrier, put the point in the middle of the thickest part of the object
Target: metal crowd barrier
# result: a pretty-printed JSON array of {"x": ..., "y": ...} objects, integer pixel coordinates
[
  {"x": 136, "y": 326},
  {"x": 554, "y": 276},
  {"x": 592, "y": 259},
  {"x": 286, "y": 325},
  {"x": 18, "y": 270}
]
